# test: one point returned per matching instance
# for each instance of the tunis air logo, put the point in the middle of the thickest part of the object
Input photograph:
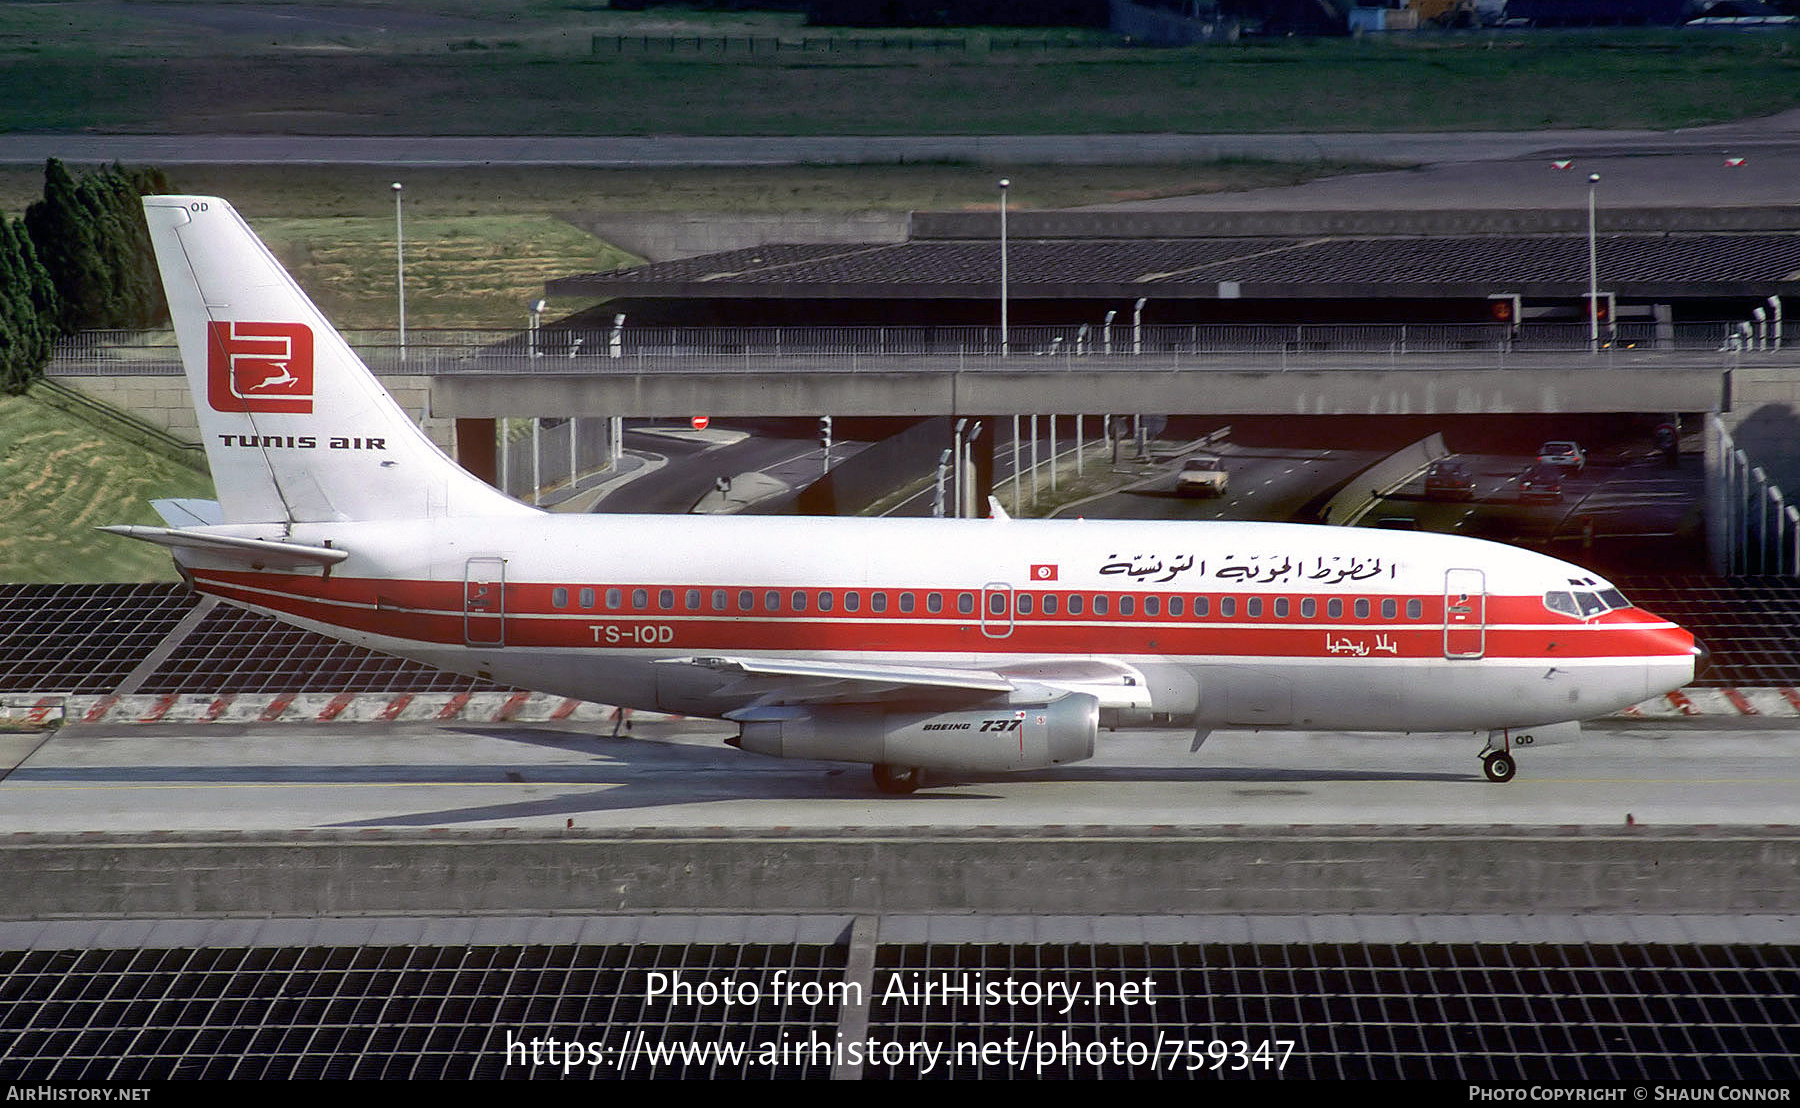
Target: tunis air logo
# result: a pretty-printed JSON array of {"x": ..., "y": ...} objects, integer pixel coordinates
[{"x": 259, "y": 367}]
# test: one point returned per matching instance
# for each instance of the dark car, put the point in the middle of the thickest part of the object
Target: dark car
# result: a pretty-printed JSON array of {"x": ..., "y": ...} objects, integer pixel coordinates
[
  {"x": 1541, "y": 482},
  {"x": 1448, "y": 481}
]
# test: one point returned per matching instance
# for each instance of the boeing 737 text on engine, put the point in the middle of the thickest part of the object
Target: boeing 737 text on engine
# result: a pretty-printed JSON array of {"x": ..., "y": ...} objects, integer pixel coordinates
[{"x": 910, "y": 645}]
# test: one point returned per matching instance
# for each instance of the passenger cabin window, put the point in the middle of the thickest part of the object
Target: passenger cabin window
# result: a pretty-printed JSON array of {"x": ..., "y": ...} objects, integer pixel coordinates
[
  {"x": 1024, "y": 603},
  {"x": 1415, "y": 608},
  {"x": 799, "y": 601},
  {"x": 825, "y": 602},
  {"x": 1390, "y": 608},
  {"x": 1253, "y": 607},
  {"x": 934, "y": 602},
  {"x": 693, "y": 600},
  {"x": 965, "y": 602},
  {"x": 1202, "y": 606},
  {"x": 1362, "y": 608},
  {"x": 1075, "y": 605},
  {"x": 559, "y": 597},
  {"x": 614, "y": 598},
  {"x": 906, "y": 602},
  {"x": 665, "y": 599},
  {"x": 1227, "y": 607},
  {"x": 1308, "y": 607},
  {"x": 1281, "y": 607},
  {"x": 640, "y": 599},
  {"x": 587, "y": 598},
  {"x": 853, "y": 602},
  {"x": 1152, "y": 606},
  {"x": 1334, "y": 608},
  {"x": 878, "y": 602},
  {"x": 1100, "y": 605},
  {"x": 1049, "y": 603}
]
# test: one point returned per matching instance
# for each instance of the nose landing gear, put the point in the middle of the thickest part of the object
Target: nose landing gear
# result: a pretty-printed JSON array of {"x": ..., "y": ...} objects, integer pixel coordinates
[
  {"x": 1497, "y": 761},
  {"x": 1498, "y": 765}
]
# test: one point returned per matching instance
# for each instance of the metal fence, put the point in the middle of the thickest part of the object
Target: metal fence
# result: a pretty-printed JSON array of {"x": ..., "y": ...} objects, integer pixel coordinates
[
  {"x": 1759, "y": 527},
  {"x": 543, "y": 460},
  {"x": 673, "y": 349}
]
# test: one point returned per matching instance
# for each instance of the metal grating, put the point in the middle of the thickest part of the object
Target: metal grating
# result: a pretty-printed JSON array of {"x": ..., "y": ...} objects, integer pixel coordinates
[
  {"x": 1751, "y": 625},
  {"x": 83, "y": 638},
  {"x": 1464, "y": 1011},
  {"x": 235, "y": 650}
]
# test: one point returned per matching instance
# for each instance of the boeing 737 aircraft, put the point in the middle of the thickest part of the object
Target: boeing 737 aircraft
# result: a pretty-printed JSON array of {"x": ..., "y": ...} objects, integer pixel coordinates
[{"x": 910, "y": 645}]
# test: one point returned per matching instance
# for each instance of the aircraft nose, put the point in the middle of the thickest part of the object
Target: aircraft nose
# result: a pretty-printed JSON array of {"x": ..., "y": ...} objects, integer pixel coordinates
[{"x": 1703, "y": 662}]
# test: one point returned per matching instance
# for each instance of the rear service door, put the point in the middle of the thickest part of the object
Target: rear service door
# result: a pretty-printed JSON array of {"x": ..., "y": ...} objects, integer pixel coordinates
[{"x": 484, "y": 602}]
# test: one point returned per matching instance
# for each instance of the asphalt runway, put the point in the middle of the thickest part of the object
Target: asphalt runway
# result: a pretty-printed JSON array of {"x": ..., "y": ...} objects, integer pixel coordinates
[{"x": 128, "y": 780}]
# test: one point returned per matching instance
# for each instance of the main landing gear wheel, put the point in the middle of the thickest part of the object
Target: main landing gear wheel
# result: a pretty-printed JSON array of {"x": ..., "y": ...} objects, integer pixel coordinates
[
  {"x": 899, "y": 780},
  {"x": 1498, "y": 765}
]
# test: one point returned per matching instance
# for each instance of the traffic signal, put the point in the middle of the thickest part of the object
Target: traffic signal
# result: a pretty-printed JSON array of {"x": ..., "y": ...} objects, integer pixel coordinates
[
  {"x": 825, "y": 431},
  {"x": 1507, "y": 308}
]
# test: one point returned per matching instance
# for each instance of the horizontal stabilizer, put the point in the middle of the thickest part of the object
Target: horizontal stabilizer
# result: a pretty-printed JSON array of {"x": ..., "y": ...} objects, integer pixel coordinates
[
  {"x": 189, "y": 513},
  {"x": 256, "y": 552}
]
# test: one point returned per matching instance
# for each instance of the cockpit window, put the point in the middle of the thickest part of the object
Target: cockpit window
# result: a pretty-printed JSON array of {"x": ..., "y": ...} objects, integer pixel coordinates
[{"x": 1585, "y": 603}]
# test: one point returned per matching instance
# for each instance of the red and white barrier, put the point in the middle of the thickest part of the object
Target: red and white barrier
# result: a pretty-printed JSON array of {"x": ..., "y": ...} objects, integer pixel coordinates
[{"x": 523, "y": 707}]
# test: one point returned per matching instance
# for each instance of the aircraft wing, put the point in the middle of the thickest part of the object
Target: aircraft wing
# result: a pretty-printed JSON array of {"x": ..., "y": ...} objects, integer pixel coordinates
[
  {"x": 803, "y": 681},
  {"x": 762, "y": 681}
]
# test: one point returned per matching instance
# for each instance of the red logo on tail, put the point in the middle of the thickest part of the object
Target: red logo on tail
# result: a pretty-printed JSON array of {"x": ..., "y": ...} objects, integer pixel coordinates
[{"x": 259, "y": 367}]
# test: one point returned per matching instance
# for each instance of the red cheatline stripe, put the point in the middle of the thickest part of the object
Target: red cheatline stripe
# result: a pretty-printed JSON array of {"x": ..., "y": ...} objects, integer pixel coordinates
[
  {"x": 1740, "y": 702},
  {"x": 276, "y": 707},
  {"x": 395, "y": 707},
  {"x": 511, "y": 707},
  {"x": 1686, "y": 706},
  {"x": 336, "y": 707},
  {"x": 455, "y": 707}
]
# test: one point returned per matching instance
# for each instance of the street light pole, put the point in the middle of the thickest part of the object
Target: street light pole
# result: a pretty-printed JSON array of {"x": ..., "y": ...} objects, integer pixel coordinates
[
  {"x": 1005, "y": 337},
  {"x": 1593, "y": 273},
  {"x": 400, "y": 267}
]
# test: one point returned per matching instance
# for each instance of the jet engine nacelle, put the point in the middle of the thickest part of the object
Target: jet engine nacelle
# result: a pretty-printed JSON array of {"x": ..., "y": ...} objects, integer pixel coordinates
[{"x": 1031, "y": 735}]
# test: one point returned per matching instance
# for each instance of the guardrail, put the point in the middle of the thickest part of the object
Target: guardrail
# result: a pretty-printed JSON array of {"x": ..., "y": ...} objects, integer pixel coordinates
[{"x": 713, "y": 349}]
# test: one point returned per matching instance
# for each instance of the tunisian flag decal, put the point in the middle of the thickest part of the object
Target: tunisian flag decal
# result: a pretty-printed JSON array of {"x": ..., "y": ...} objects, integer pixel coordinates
[{"x": 1043, "y": 573}]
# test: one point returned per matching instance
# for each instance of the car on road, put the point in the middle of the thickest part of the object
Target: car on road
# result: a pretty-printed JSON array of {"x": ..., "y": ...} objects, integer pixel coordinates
[
  {"x": 1541, "y": 482},
  {"x": 1563, "y": 455},
  {"x": 1448, "y": 481},
  {"x": 1203, "y": 476}
]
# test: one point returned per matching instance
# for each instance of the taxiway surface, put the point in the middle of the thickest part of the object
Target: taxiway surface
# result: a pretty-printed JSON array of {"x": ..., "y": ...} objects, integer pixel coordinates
[{"x": 131, "y": 780}]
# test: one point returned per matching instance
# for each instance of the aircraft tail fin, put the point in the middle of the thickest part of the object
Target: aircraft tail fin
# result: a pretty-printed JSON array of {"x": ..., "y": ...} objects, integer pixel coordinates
[{"x": 296, "y": 427}]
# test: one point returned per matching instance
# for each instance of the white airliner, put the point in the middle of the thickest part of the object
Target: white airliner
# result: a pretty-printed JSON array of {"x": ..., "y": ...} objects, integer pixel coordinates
[{"x": 910, "y": 645}]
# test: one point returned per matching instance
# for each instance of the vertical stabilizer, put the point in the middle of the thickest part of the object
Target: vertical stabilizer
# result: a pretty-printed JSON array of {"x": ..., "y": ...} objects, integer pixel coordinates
[{"x": 296, "y": 427}]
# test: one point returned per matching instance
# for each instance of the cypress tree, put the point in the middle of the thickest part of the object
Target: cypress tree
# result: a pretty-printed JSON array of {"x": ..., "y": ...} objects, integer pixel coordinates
[
  {"x": 27, "y": 310},
  {"x": 92, "y": 239}
]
